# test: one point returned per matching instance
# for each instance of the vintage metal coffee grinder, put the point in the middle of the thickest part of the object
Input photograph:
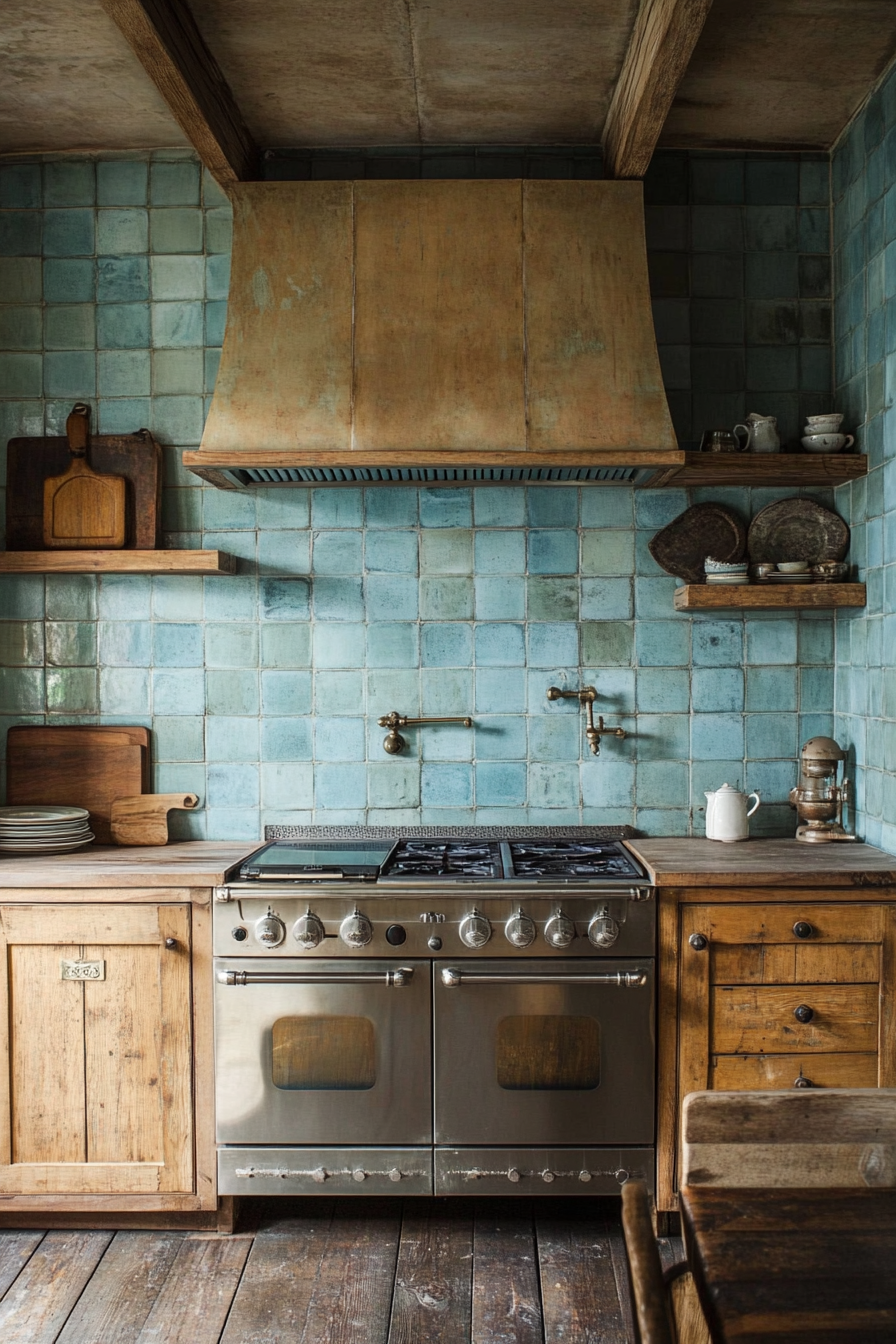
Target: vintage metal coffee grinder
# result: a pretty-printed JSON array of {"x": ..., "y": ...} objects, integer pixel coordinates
[{"x": 818, "y": 798}]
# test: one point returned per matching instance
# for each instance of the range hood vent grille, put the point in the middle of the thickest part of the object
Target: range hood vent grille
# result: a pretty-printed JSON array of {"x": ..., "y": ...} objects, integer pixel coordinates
[{"x": 346, "y": 475}]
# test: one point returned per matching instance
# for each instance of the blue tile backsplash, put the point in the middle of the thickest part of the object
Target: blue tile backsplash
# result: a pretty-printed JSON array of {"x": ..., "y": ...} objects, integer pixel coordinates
[
  {"x": 264, "y": 689},
  {"x": 864, "y": 239}
]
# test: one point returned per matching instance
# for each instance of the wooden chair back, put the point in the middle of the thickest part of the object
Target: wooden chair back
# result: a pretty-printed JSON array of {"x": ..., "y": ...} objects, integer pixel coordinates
[
  {"x": 651, "y": 1305},
  {"x": 838, "y": 1138}
]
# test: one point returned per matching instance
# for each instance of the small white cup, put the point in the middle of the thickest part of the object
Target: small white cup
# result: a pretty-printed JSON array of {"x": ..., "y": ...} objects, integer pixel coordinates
[{"x": 827, "y": 443}]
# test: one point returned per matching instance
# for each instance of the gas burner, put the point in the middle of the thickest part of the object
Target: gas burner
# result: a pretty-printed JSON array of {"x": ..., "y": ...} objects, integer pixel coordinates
[
  {"x": 571, "y": 858},
  {"x": 451, "y": 859}
]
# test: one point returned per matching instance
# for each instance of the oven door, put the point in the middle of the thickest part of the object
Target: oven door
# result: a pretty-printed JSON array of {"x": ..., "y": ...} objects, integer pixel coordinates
[
  {"x": 327, "y": 1053},
  {"x": 544, "y": 1052}
]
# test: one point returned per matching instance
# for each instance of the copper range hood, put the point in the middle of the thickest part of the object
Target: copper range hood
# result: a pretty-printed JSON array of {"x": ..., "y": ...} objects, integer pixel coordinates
[{"x": 440, "y": 332}]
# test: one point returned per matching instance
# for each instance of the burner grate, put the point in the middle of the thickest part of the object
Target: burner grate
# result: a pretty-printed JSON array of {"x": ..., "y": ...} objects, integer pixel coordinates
[{"x": 445, "y": 858}]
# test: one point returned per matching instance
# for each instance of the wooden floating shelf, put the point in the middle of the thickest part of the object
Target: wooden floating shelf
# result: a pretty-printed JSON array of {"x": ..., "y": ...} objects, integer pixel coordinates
[
  {"x": 784, "y": 469},
  {"x": 117, "y": 562},
  {"x": 711, "y": 597}
]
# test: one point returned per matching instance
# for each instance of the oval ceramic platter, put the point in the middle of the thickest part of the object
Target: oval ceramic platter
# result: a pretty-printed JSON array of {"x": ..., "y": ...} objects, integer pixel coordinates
[
  {"x": 702, "y": 530},
  {"x": 797, "y": 529}
]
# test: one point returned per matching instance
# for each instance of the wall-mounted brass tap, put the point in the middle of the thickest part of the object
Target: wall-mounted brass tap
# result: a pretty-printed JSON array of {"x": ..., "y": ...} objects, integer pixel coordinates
[
  {"x": 394, "y": 742},
  {"x": 587, "y": 696}
]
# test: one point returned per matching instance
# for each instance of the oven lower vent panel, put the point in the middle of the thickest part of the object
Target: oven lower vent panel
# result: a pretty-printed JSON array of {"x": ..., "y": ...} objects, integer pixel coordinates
[
  {"x": 324, "y": 1171},
  {"x": 540, "y": 1171}
]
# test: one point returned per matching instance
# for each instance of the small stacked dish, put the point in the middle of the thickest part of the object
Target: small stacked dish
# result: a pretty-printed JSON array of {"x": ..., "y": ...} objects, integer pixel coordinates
[
  {"x": 733, "y": 573},
  {"x": 44, "y": 830},
  {"x": 821, "y": 434},
  {"x": 791, "y": 571}
]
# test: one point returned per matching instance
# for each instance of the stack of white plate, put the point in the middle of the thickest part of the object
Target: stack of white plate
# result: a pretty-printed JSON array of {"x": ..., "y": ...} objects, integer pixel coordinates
[
  {"x": 730, "y": 574},
  {"x": 44, "y": 830}
]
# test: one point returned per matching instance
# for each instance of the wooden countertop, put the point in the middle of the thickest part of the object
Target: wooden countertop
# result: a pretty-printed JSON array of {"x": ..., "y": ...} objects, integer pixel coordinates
[
  {"x": 764, "y": 863},
  {"x": 191, "y": 863},
  {"x": 670, "y": 862}
]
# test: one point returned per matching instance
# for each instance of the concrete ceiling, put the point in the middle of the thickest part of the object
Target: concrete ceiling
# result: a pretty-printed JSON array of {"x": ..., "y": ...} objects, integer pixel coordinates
[
  {"x": 766, "y": 73},
  {"x": 781, "y": 73},
  {"x": 68, "y": 80}
]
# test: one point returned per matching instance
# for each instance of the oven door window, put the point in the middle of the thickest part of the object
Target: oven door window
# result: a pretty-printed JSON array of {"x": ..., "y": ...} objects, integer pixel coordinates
[
  {"x": 316, "y": 1054},
  {"x": 547, "y": 1053}
]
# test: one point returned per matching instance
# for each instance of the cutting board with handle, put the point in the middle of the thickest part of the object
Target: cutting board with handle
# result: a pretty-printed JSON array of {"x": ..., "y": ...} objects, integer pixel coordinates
[
  {"x": 82, "y": 508},
  {"x": 143, "y": 820},
  {"x": 78, "y": 766},
  {"x": 29, "y": 461}
]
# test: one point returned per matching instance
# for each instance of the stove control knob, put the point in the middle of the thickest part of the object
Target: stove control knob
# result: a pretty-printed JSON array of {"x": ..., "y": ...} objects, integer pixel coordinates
[
  {"x": 356, "y": 930},
  {"x": 270, "y": 930},
  {"x": 559, "y": 930},
  {"x": 520, "y": 930},
  {"x": 475, "y": 930},
  {"x": 308, "y": 931},
  {"x": 603, "y": 931}
]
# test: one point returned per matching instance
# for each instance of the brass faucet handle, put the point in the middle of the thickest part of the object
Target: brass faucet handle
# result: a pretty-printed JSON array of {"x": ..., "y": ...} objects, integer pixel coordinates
[
  {"x": 586, "y": 696},
  {"x": 395, "y": 743}
]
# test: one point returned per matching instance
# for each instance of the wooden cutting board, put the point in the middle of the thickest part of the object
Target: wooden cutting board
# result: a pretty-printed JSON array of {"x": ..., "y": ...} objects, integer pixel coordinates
[
  {"x": 77, "y": 766},
  {"x": 137, "y": 457},
  {"x": 144, "y": 820},
  {"x": 83, "y": 509}
]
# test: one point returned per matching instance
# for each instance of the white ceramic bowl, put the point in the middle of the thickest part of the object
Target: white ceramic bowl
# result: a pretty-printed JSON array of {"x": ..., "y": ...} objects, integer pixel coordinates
[
  {"x": 826, "y": 443},
  {"x": 793, "y": 566},
  {"x": 823, "y": 424}
]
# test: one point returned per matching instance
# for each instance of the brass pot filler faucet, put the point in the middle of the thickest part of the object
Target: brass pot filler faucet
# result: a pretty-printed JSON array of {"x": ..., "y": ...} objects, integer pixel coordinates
[{"x": 587, "y": 696}]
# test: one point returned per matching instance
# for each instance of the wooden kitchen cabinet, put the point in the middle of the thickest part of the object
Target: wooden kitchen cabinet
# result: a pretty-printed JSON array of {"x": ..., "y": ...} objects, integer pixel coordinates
[
  {"x": 96, "y": 1074},
  {"x": 772, "y": 993}
]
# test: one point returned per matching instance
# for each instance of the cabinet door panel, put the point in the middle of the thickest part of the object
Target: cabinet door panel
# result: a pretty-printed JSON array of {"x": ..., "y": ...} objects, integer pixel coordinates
[
  {"x": 123, "y": 1064},
  {"x": 749, "y": 1019},
  {"x": 47, "y": 1057},
  {"x": 803, "y": 964},
  {"x": 99, "y": 1097},
  {"x": 756, "y": 1073}
]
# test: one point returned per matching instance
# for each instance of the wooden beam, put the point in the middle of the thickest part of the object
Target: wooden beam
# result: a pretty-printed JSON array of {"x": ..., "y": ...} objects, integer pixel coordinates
[
  {"x": 662, "y": 40},
  {"x": 171, "y": 49}
]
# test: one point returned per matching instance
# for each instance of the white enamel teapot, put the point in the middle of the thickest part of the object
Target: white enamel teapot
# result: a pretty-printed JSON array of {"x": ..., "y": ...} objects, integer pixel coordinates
[{"x": 726, "y": 814}]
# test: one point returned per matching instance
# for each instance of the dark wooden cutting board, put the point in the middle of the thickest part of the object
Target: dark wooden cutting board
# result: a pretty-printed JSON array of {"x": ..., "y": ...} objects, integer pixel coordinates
[
  {"x": 136, "y": 457},
  {"x": 78, "y": 766}
]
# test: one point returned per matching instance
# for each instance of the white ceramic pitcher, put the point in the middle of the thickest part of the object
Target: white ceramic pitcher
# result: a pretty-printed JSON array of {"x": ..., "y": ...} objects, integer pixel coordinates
[
  {"x": 762, "y": 433},
  {"x": 726, "y": 814}
]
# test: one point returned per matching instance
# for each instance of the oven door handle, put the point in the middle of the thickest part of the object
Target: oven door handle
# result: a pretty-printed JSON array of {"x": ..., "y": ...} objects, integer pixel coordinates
[
  {"x": 396, "y": 979},
  {"x": 452, "y": 976}
]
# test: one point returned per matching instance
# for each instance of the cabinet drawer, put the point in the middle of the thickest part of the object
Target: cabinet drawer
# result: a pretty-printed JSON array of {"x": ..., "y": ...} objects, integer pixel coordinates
[
  {"x": 796, "y": 964},
  {"x": 752, "y": 1073},
  {"x": 750, "y": 1020},
  {"x": 775, "y": 923}
]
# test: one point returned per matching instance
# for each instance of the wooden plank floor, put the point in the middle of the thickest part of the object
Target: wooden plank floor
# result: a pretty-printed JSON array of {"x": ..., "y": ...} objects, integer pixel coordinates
[{"x": 346, "y": 1271}]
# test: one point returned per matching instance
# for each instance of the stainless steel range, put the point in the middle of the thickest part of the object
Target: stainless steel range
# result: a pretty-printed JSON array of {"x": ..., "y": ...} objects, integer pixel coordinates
[{"x": 425, "y": 1013}]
